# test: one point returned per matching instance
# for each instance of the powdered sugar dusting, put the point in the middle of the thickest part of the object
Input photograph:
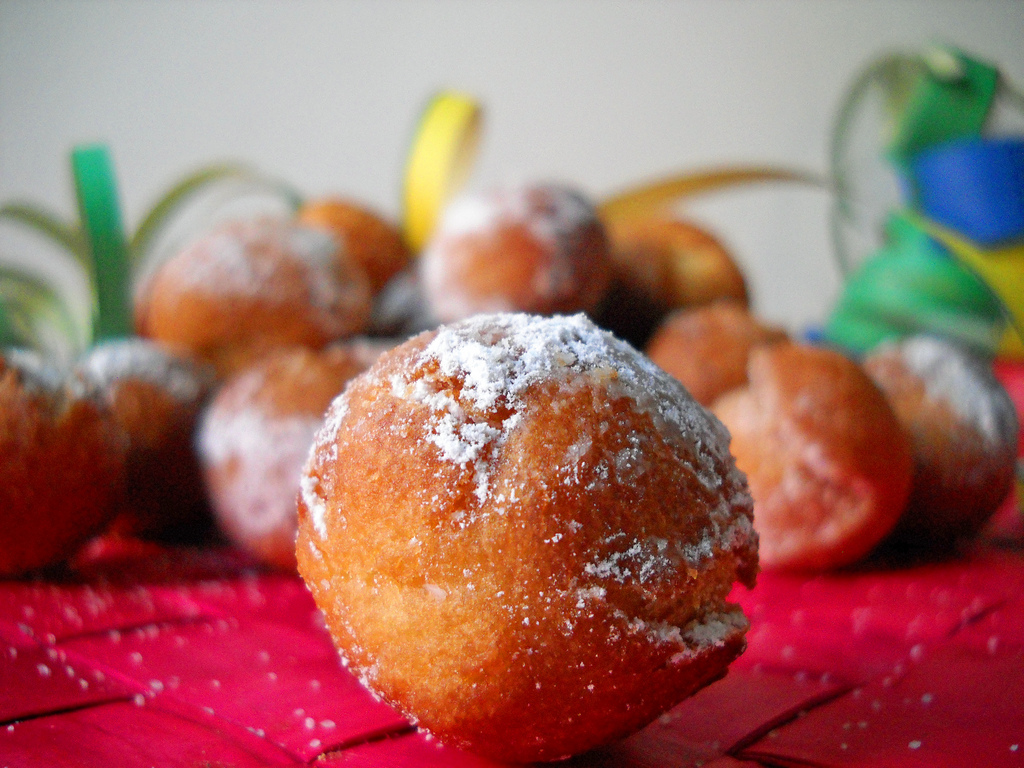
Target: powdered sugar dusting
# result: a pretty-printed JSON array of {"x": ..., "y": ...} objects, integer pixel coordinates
[
  {"x": 318, "y": 251},
  {"x": 39, "y": 376},
  {"x": 566, "y": 212},
  {"x": 313, "y": 496},
  {"x": 35, "y": 372},
  {"x": 269, "y": 452},
  {"x": 641, "y": 561},
  {"x": 954, "y": 376},
  {"x": 552, "y": 213},
  {"x": 497, "y": 358},
  {"x": 315, "y": 503},
  {"x": 557, "y": 223},
  {"x": 468, "y": 214},
  {"x": 135, "y": 358},
  {"x": 712, "y": 631},
  {"x": 220, "y": 262},
  {"x": 223, "y": 259},
  {"x": 247, "y": 258}
]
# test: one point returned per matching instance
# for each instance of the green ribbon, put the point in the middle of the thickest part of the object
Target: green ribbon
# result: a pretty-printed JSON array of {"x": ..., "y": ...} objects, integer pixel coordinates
[
  {"x": 951, "y": 99},
  {"x": 33, "y": 313},
  {"x": 187, "y": 189},
  {"x": 912, "y": 285},
  {"x": 35, "y": 316},
  {"x": 100, "y": 211}
]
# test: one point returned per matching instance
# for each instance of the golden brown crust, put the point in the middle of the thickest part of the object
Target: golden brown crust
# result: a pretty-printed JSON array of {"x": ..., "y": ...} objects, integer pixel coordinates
[
  {"x": 374, "y": 243},
  {"x": 567, "y": 577},
  {"x": 61, "y": 467},
  {"x": 252, "y": 287},
  {"x": 828, "y": 463},
  {"x": 963, "y": 432},
  {"x": 707, "y": 347}
]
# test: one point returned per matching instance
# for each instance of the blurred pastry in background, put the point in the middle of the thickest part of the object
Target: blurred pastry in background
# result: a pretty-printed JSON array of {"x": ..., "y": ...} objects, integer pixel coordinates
[
  {"x": 254, "y": 438},
  {"x": 370, "y": 240},
  {"x": 155, "y": 397},
  {"x": 62, "y": 462},
  {"x": 660, "y": 264},
  {"x": 963, "y": 429},
  {"x": 539, "y": 249},
  {"x": 249, "y": 287},
  {"x": 707, "y": 347},
  {"x": 828, "y": 463}
]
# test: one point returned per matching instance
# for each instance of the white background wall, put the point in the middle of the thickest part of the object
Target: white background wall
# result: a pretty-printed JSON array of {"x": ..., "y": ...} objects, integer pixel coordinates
[{"x": 599, "y": 93}]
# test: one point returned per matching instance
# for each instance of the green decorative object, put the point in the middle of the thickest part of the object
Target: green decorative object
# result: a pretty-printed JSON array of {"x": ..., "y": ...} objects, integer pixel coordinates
[
  {"x": 912, "y": 285},
  {"x": 950, "y": 99},
  {"x": 100, "y": 213}
]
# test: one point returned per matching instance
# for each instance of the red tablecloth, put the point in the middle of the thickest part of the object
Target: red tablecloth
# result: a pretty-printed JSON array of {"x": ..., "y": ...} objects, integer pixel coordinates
[{"x": 155, "y": 657}]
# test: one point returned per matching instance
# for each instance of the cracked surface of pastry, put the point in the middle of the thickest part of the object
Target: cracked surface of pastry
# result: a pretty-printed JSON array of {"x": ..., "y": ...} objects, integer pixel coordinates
[{"x": 828, "y": 463}]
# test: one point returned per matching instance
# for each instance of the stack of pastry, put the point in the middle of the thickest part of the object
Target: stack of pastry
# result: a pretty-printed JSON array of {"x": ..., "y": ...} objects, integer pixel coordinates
[{"x": 121, "y": 424}]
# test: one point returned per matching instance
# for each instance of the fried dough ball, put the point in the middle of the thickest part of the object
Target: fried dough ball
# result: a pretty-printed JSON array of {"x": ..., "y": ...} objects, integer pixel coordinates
[
  {"x": 249, "y": 287},
  {"x": 662, "y": 264},
  {"x": 374, "y": 243},
  {"x": 61, "y": 465},
  {"x": 828, "y": 463},
  {"x": 963, "y": 430},
  {"x": 523, "y": 534},
  {"x": 538, "y": 249},
  {"x": 254, "y": 438},
  {"x": 707, "y": 347},
  {"x": 155, "y": 397}
]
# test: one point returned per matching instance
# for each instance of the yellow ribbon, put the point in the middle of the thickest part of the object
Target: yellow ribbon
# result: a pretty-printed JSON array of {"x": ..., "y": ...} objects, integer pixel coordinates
[
  {"x": 648, "y": 198},
  {"x": 444, "y": 148},
  {"x": 442, "y": 153},
  {"x": 447, "y": 136}
]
